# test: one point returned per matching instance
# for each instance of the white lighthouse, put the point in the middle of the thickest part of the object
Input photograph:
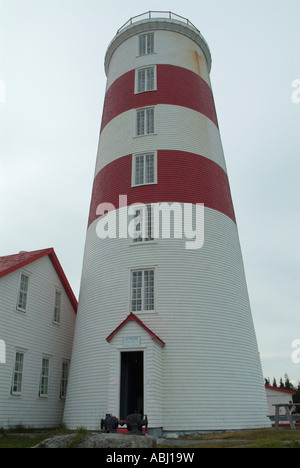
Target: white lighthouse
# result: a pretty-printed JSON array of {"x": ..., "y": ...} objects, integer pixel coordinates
[{"x": 164, "y": 325}]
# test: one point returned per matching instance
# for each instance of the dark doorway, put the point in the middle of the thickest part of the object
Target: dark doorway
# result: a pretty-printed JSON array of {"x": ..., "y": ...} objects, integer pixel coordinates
[{"x": 132, "y": 383}]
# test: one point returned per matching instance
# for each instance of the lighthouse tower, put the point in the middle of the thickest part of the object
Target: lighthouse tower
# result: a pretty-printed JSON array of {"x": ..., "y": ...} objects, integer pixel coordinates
[{"x": 164, "y": 325}]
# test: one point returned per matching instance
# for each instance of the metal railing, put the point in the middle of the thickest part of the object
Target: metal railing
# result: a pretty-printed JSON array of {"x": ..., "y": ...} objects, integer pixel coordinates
[{"x": 157, "y": 14}]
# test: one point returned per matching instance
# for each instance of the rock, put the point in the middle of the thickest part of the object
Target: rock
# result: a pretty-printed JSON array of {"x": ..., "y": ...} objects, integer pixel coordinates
[{"x": 102, "y": 440}]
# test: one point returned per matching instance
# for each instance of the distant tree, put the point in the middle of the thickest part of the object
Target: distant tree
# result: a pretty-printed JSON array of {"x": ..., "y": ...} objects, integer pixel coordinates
[
  {"x": 267, "y": 381},
  {"x": 288, "y": 385},
  {"x": 275, "y": 383},
  {"x": 296, "y": 398},
  {"x": 281, "y": 384}
]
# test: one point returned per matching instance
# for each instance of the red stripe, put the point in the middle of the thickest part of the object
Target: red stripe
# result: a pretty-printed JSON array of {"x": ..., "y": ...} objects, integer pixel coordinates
[
  {"x": 175, "y": 86},
  {"x": 182, "y": 177}
]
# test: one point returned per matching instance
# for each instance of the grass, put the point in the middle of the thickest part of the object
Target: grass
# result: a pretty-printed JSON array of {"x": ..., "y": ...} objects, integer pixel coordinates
[
  {"x": 26, "y": 438},
  {"x": 264, "y": 438},
  {"x": 261, "y": 438}
]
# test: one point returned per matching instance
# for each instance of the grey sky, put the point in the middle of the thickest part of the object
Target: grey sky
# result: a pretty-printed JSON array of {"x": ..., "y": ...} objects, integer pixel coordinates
[{"x": 51, "y": 61}]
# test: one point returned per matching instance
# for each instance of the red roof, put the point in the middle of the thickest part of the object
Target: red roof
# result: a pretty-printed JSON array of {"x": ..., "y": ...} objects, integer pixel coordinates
[
  {"x": 278, "y": 389},
  {"x": 11, "y": 263},
  {"x": 134, "y": 318}
]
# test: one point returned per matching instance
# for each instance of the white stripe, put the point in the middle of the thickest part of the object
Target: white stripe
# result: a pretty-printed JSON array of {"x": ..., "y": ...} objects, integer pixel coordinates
[
  {"x": 170, "y": 49},
  {"x": 202, "y": 314},
  {"x": 178, "y": 128}
]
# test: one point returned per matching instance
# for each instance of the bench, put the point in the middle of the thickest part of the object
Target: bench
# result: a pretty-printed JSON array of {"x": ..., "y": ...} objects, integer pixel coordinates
[{"x": 288, "y": 416}]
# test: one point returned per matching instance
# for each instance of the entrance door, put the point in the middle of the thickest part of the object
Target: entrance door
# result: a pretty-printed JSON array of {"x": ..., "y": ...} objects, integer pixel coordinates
[{"x": 132, "y": 383}]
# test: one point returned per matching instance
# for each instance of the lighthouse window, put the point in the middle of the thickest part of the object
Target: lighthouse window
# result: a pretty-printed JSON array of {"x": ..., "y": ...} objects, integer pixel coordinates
[
  {"x": 144, "y": 169},
  {"x": 142, "y": 291},
  {"x": 143, "y": 224},
  {"x": 146, "y": 44},
  {"x": 145, "y": 79},
  {"x": 145, "y": 121}
]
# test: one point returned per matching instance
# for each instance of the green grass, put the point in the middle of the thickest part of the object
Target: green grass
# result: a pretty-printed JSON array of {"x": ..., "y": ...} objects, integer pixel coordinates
[{"x": 263, "y": 438}]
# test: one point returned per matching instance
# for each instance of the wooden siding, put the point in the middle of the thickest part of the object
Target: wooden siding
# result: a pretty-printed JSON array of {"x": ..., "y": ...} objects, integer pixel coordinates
[
  {"x": 210, "y": 371},
  {"x": 210, "y": 362},
  {"x": 177, "y": 128},
  {"x": 171, "y": 48},
  {"x": 34, "y": 333}
]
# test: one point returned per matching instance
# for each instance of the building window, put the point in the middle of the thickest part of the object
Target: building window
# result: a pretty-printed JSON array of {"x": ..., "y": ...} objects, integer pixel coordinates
[
  {"x": 143, "y": 224},
  {"x": 142, "y": 291},
  {"x": 146, "y": 44},
  {"x": 145, "y": 121},
  {"x": 57, "y": 307},
  {"x": 18, "y": 374},
  {"x": 145, "y": 79},
  {"x": 144, "y": 169},
  {"x": 44, "y": 382},
  {"x": 23, "y": 292},
  {"x": 64, "y": 379}
]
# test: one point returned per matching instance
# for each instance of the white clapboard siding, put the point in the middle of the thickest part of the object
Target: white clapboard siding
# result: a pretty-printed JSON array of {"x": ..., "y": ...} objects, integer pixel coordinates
[
  {"x": 171, "y": 48},
  {"x": 177, "y": 128},
  {"x": 210, "y": 361},
  {"x": 208, "y": 376},
  {"x": 34, "y": 333}
]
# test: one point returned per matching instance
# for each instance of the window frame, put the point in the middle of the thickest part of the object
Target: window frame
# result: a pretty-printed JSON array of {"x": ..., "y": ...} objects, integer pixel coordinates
[
  {"x": 142, "y": 294},
  {"x": 44, "y": 378},
  {"x": 146, "y": 89},
  {"x": 143, "y": 50},
  {"x": 146, "y": 122},
  {"x": 19, "y": 381},
  {"x": 64, "y": 379},
  {"x": 24, "y": 292},
  {"x": 149, "y": 228},
  {"x": 56, "y": 319},
  {"x": 135, "y": 158}
]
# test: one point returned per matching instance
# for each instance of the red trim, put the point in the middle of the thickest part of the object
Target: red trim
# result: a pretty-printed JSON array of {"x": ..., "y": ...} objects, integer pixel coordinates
[
  {"x": 182, "y": 177},
  {"x": 283, "y": 390},
  {"x": 11, "y": 263},
  {"x": 133, "y": 318},
  {"x": 175, "y": 86}
]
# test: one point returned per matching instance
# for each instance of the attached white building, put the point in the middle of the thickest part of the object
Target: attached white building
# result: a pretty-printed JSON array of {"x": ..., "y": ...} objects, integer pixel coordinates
[
  {"x": 37, "y": 320},
  {"x": 278, "y": 396}
]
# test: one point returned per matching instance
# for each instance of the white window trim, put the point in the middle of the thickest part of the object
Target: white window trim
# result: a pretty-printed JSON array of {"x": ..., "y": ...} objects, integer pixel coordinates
[
  {"x": 136, "y": 91},
  {"x": 61, "y": 396},
  {"x": 138, "y": 44},
  {"x": 152, "y": 267},
  {"x": 46, "y": 395},
  {"x": 134, "y": 156},
  {"x": 18, "y": 308},
  {"x": 144, "y": 241},
  {"x": 23, "y": 352},
  {"x": 155, "y": 122},
  {"x": 54, "y": 320}
]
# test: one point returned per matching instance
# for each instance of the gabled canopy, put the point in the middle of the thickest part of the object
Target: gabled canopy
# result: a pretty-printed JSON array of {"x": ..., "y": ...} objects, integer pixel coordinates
[{"x": 134, "y": 318}]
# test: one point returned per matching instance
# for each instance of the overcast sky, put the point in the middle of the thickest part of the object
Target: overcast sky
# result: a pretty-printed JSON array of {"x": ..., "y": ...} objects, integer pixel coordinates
[{"x": 52, "y": 84}]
